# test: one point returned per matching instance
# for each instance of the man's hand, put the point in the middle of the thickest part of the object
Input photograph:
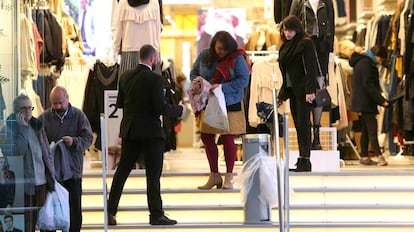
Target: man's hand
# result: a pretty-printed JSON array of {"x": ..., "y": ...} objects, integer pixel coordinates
[{"x": 68, "y": 140}]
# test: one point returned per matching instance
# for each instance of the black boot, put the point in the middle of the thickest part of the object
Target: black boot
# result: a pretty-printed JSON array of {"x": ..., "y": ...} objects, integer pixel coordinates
[
  {"x": 316, "y": 144},
  {"x": 303, "y": 165}
]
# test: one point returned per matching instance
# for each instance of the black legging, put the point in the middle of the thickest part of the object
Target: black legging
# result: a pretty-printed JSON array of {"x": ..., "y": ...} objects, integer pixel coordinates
[
  {"x": 300, "y": 111},
  {"x": 369, "y": 127}
]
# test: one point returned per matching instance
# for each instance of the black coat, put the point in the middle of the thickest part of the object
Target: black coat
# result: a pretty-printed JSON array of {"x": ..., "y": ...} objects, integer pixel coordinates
[
  {"x": 141, "y": 96},
  {"x": 366, "y": 89},
  {"x": 301, "y": 67},
  {"x": 281, "y": 9},
  {"x": 325, "y": 18}
]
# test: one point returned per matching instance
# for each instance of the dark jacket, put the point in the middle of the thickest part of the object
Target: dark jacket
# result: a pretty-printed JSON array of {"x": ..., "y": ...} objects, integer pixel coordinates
[
  {"x": 325, "y": 18},
  {"x": 141, "y": 96},
  {"x": 366, "y": 89},
  {"x": 74, "y": 124},
  {"x": 281, "y": 9},
  {"x": 300, "y": 67}
]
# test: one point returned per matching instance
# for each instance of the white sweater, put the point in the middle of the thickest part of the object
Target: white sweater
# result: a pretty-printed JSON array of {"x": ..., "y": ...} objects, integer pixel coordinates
[{"x": 136, "y": 26}]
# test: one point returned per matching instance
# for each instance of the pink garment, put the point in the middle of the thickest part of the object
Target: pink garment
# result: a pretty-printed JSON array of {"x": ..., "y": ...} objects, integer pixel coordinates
[
  {"x": 198, "y": 93},
  {"x": 38, "y": 44}
]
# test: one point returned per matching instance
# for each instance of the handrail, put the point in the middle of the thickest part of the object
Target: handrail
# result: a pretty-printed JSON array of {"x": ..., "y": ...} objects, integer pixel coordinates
[
  {"x": 287, "y": 185},
  {"x": 104, "y": 164},
  {"x": 282, "y": 172}
]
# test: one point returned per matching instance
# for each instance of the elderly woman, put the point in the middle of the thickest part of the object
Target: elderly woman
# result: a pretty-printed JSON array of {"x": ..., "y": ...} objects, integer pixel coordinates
[{"x": 26, "y": 137}]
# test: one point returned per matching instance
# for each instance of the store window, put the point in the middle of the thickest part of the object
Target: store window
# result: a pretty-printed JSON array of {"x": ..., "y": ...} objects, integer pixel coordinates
[
  {"x": 11, "y": 174},
  {"x": 94, "y": 19}
]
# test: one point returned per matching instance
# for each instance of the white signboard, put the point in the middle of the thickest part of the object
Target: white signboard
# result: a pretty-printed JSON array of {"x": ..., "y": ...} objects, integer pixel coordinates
[{"x": 113, "y": 117}]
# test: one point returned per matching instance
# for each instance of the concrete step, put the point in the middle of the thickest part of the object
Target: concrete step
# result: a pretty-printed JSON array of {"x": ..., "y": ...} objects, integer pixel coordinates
[{"x": 355, "y": 198}]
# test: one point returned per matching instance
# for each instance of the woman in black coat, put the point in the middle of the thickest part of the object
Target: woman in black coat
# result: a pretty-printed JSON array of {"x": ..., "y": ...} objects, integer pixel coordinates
[
  {"x": 366, "y": 96},
  {"x": 298, "y": 65}
]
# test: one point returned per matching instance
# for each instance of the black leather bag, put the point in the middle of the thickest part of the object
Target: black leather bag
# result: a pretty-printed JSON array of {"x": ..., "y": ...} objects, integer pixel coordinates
[{"x": 322, "y": 97}]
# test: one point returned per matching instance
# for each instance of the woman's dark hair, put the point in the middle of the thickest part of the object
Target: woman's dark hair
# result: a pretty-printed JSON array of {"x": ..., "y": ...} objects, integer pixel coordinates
[
  {"x": 229, "y": 44},
  {"x": 292, "y": 22}
]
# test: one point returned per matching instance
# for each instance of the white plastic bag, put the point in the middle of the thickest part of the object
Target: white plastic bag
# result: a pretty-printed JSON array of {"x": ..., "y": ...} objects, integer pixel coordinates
[
  {"x": 46, "y": 219},
  {"x": 55, "y": 212},
  {"x": 265, "y": 166},
  {"x": 216, "y": 112}
]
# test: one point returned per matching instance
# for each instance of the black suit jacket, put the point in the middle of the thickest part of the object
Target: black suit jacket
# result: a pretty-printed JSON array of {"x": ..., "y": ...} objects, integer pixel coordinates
[{"x": 141, "y": 96}]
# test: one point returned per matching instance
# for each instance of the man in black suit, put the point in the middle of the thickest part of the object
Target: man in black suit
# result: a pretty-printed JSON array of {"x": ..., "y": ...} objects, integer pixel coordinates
[{"x": 141, "y": 96}]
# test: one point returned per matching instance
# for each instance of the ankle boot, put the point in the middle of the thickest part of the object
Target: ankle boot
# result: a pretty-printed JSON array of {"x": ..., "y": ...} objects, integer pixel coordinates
[
  {"x": 228, "y": 181},
  {"x": 303, "y": 165},
  {"x": 213, "y": 180},
  {"x": 316, "y": 144}
]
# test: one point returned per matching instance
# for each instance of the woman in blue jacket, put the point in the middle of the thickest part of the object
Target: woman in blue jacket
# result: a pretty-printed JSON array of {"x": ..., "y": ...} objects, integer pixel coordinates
[{"x": 225, "y": 66}]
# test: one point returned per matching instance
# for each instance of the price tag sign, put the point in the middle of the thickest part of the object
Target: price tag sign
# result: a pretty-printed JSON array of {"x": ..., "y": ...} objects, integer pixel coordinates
[{"x": 113, "y": 117}]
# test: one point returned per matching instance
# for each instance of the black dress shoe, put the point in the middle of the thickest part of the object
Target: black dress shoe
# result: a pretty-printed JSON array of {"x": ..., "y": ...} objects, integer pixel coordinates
[
  {"x": 111, "y": 220},
  {"x": 163, "y": 220}
]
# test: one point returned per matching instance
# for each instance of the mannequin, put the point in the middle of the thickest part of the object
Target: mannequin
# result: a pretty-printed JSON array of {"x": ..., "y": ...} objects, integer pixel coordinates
[
  {"x": 318, "y": 20},
  {"x": 128, "y": 23}
]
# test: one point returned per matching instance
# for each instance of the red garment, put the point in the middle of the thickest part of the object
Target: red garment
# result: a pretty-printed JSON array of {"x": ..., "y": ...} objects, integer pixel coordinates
[{"x": 225, "y": 66}]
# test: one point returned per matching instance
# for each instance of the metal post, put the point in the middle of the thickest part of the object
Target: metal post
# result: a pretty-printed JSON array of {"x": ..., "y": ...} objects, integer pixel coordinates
[
  {"x": 103, "y": 152},
  {"x": 286, "y": 174},
  {"x": 278, "y": 159}
]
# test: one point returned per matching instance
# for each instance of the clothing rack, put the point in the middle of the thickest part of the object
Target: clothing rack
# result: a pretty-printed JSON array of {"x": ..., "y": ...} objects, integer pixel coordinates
[
  {"x": 41, "y": 4},
  {"x": 272, "y": 54}
]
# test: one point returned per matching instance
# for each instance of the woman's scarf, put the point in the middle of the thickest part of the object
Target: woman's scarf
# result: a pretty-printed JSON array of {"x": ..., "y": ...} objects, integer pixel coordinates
[
  {"x": 224, "y": 67},
  {"x": 290, "y": 49}
]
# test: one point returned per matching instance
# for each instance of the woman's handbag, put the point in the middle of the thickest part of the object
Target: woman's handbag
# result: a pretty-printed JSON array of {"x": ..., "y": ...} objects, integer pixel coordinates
[
  {"x": 322, "y": 96},
  {"x": 237, "y": 123}
]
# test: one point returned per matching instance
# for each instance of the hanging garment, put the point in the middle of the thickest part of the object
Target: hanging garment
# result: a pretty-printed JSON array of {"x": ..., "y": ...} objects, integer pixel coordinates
[{"x": 100, "y": 78}]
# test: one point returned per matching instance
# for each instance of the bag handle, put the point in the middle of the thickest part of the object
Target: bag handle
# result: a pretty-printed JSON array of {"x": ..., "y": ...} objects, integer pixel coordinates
[{"x": 317, "y": 61}]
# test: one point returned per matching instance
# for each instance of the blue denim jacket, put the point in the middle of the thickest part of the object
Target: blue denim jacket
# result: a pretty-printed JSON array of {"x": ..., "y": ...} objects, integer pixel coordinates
[{"x": 234, "y": 88}]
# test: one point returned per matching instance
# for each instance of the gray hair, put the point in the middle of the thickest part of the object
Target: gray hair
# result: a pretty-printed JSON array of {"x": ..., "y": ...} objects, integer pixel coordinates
[{"x": 19, "y": 99}]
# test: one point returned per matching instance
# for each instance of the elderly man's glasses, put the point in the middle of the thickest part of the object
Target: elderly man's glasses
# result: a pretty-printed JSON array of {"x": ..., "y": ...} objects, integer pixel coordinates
[{"x": 27, "y": 108}]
